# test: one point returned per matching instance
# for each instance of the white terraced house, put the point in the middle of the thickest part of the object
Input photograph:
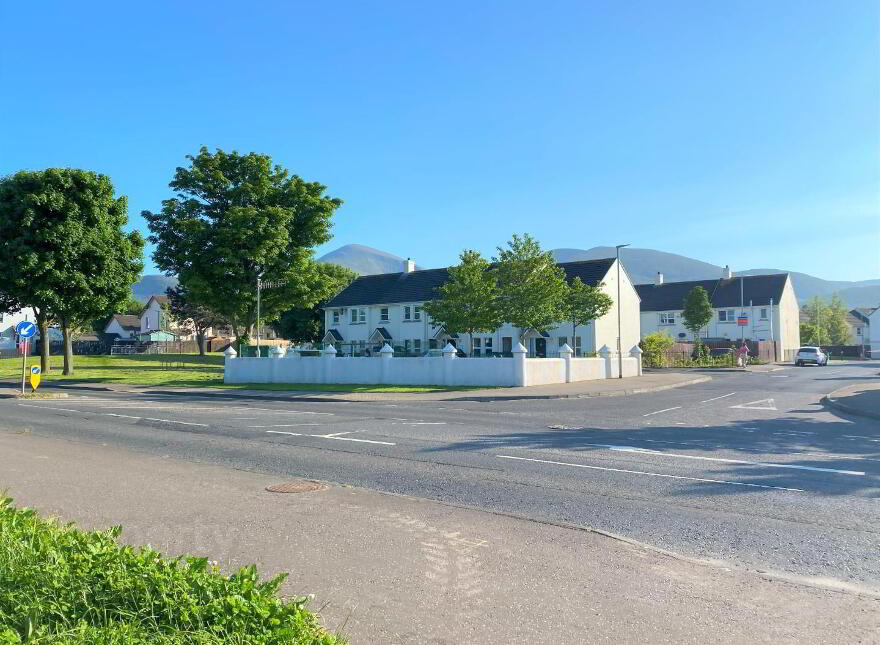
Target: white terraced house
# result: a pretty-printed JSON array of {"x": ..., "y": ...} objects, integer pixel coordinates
[
  {"x": 767, "y": 303},
  {"x": 388, "y": 308}
]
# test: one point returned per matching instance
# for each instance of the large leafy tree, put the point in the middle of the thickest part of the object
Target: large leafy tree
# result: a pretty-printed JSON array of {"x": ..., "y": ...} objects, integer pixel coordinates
[
  {"x": 697, "y": 311},
  {"x": 532, "y": 287},
  {"x": 468, "y": 302},
  {"x": 826, "y": 322},
  {"x": 306, "y": 324},
  {"x": 234, "y": 218},
  {"x": 191, "y": 315},
  {"x": 584, "y": 303},
  {"x": 64, "y": 250}
]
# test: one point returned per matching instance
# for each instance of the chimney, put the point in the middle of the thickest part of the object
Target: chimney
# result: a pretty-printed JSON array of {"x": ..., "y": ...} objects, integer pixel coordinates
[
  {"x": 726, "y": 273},
  {"x": 659, "y": 279},
  {"x": 409, "y": 266}
]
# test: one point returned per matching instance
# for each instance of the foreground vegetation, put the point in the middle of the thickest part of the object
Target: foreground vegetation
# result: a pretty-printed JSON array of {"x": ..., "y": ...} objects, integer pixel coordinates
[
  {"x": 63, "y": 586},
  {"x": 183, "y": 370}
]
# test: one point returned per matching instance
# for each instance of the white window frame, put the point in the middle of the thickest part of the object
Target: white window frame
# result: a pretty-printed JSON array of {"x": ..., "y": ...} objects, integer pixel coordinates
[
  {"x": 417, "y": 345},
  {"x": 667, "y": 318},
  {"x": 577, "y": 345},
  {"x": 384, "y": 316},
  {"x": 353, "y": 315},
  {"x": 335, "y": 314},
  {"x": 417, "y": 312},
  {"x": 729, "y": 315},
  {"x": 362, "y": 315},
  {"x": 763, "y": 313},
  {"x": 407, "y": 312}
]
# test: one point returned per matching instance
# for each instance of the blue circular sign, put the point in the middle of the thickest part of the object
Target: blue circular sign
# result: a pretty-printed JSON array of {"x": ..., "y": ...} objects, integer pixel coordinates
[{"x": 25, "y": 329}]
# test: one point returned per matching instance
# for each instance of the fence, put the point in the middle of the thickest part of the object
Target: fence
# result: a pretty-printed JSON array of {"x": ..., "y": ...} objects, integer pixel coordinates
[
  {"x": 448, "y": 369},
  {"x": 682, "y": 354}
]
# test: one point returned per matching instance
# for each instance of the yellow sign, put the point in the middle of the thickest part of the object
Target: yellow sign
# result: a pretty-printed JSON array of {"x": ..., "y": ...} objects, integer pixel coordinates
[{"x": 35, "y": 378}]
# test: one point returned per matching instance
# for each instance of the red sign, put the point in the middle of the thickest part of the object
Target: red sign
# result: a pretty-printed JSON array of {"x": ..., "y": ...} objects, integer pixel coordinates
[
  {"x": 23, "y": 346},
  {"x": 742, "y": 321}
]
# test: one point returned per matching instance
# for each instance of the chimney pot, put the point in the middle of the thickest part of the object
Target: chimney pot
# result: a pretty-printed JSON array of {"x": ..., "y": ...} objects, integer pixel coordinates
[
  {"x": 409, "y": 266},
  {"x": 726, "y": 273},
  {"x": 659, "y": 278}
]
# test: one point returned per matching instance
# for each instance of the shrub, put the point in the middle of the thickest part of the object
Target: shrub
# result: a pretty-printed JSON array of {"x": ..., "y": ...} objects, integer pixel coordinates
[
  {"x": 63, "y": 586},
  {"x": 654, "y": 348}
]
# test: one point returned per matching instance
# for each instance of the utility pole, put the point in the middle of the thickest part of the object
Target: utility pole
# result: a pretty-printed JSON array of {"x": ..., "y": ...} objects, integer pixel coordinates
[
  {"x": 259, "y": 285},
  {"x": 742, "y": 305},
  {"x": 619, "y": 342}
]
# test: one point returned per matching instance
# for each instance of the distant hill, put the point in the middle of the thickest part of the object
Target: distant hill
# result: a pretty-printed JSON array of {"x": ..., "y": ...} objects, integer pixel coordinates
[
  {"x": 364, "y": 259},
  {"x": 153, "y": 284},
  {"x": 643, "y": 265}
]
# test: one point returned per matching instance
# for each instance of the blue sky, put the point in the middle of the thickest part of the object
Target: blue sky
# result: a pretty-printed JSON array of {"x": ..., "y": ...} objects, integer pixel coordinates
[{"x": 741, "y": 133}]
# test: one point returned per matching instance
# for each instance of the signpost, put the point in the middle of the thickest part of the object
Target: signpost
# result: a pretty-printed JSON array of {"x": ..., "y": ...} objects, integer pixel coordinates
[
  {"x": 35, "y": 378},
  {"x": 743, "y": 320},
  {"x": 25, "y": 330}
]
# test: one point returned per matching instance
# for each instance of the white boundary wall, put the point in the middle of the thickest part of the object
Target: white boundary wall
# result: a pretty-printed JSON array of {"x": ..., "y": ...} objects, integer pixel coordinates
[{"x": 448, "y": 370}]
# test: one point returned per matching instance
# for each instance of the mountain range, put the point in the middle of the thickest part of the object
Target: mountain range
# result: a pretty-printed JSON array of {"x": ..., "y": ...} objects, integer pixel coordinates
[{"x": 641, "y": 264}]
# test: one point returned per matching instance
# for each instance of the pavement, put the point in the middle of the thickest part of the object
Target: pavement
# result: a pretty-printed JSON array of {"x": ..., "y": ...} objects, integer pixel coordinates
[
  {"x": 650, "y": 382},
  {"x": 748, "y": 475},
  {"x": 394, "y": 569},
  {"x": 862, "y": 400}
]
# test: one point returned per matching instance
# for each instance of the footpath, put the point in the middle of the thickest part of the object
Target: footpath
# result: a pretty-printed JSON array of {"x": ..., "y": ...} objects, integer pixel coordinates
[
  {"x": 649, "y": 382},
  {"x": 861, "y": 399},
  {"x": 398, "y": 570}
]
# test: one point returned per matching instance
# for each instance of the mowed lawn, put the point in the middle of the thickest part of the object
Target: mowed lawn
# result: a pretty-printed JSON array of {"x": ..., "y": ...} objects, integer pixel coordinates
[{"x": 179, "y": 370}]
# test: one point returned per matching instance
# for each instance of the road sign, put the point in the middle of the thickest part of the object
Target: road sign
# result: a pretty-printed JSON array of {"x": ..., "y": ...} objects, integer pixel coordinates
[
  {"x": 742, "y": 321},
  {"x": 25, "y": 329},
  {"x": 35, "y": 378}
]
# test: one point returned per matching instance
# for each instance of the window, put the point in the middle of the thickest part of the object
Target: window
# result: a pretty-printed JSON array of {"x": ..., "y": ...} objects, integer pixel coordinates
[
  {"x": 562, "y": 341},
  {"x": 726, "y": 315},
  {"x": 362, "y": 315},
  {"x": 417, "y": 313},
  {"x": 354, "y": 316},
  {"x": 667, "y": 318},
  {"x": 763, "y": 313},
  {"x": 488, "y": 346},
  {"x": 406, "y": 313},
  {"x": 335, "y": 316},
  {"x": 477, "y": 347},
  {"x": 383, "y": 314},
  {"x": 506, "y": 344},
  {"x": 858, "y": 331},
  {"x": 417, "y": 345},
  {"x": 577, "y": 345}
]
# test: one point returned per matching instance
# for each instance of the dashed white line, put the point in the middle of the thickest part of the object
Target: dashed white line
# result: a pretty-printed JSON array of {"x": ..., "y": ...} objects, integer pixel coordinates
[
  {"x": 123, "y": 416},
  {"x": 288, "y": 425},
  {"x": 766, "y": 464},
  {"x": 44, "y": 407},
  {"x": 677, "y": 407},
  {"x": 183, "y": 423},
  {"x": 641, "y": 472},
  {"x": 292, "y": 434},
  {"x": 723, "y": 396}
]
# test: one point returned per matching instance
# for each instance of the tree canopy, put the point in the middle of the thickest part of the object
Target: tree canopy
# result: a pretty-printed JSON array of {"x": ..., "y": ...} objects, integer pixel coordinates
[
  {"x": 306, "y": 324},
  {"x": 234, "y": 218},
  {"x": 469, "y": 301},
  {"x": 532, "y": 287},
  {"x": 63, "y": 248},
  {"x": 826, "y": 322},
  {"x": 191, "y": 315},
  {"x": 584, "y": 303},
  {"x": 697, "y": 311}
]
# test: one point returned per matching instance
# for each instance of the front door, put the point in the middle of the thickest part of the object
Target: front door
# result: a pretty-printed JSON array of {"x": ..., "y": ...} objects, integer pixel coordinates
[{"x": 541, "y": 347}]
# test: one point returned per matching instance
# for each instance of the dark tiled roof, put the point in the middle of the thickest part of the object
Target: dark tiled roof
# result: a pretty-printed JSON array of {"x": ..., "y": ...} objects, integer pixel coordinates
[
  {"x": 757, "y": 289},
  {"x": 127, "y": 321},
  {"x": 334, "y": 335},
  {"x": 382, "y": 332},
  {"x": 419, "y": 286},
  {"x": 862, "y": 313}
]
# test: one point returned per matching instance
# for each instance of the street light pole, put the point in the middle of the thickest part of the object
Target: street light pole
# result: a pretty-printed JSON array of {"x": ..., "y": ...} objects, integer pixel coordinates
[
  {"x": 619, "y": 342},
  {"x": 259, "y": 285}
]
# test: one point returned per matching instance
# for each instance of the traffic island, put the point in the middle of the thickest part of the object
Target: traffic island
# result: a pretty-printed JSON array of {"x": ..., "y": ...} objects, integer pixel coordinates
[{"x": 862, "y": 399}]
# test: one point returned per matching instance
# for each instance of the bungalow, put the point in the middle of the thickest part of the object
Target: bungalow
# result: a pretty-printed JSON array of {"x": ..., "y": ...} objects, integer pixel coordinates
[
  {"x": 126, "y": 327},
  {"x": 765, "y": 303},
  {"x": 389, "y": 308}
]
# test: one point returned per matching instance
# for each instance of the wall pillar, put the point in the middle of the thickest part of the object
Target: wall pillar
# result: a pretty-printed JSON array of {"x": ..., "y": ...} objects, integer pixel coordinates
[
  {"x": 448, "y": 357},
  {"x": 385, "y": 355},
  {"x": 605, "y": 353},
  {"x": 636, "y": 353},
  {"x": 520, "y": 376},
  {"x": 327, "y": 355},
  {"x": 566, "y": 353}
]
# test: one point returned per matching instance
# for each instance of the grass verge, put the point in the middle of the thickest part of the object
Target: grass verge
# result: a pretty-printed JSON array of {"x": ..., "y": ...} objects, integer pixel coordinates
[
  {"x": 183, "y": 370},
  {"x": 63, "y": 586}
]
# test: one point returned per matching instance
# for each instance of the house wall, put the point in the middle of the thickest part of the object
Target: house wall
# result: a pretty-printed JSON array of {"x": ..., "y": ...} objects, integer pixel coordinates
[
  {"x": 517, "y": 371},
  {"x": 789, "y": 321},
  {"x": 113, "y": 327},
  {"x": 150, "y": 317},
  {"x": 874, "y": 333},
  {"x": 593, "y": 336}
]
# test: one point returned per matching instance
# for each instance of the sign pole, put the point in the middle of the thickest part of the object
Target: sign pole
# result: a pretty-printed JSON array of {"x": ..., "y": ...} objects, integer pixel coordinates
[{"x": 24, "y": 347}]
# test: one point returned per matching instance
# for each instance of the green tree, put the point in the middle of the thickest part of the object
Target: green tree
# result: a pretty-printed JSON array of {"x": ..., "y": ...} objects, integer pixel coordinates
[
  {"x": 468, "y": 302},
  {"x": 655, "y": 347},
  {"x": 306, "y": 324},
  {"x": 826, "y": 322},
  {"x": 63, "y": 250},
  {"x": 584, "y": 303},
  {"x": 131, "y": 306},
  {"x": 191, "y": 315},
  {"x": 697, "y": 311},
  {"x": 532, "y": 287},
  {"x": 234, "y": 218}
]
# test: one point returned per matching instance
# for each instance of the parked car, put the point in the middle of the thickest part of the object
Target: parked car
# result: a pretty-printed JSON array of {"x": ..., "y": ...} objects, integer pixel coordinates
[{"x": 813, "y": 355}]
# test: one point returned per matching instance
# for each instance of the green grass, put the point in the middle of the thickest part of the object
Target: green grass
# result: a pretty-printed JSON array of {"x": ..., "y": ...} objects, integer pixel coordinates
[
  {"x": 63, "y": 586},
  {"x": 187, "y": 370}
]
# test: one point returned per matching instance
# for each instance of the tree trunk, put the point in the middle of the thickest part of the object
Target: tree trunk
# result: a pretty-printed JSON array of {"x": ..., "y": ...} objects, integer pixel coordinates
[
  {"x": 68, "y": 348},
  {"x": 574, "y": 327},
  {"x": 200, "y": 339},
  {"x": 471, "y": 334},
  {"x": 45, "y": 341}
]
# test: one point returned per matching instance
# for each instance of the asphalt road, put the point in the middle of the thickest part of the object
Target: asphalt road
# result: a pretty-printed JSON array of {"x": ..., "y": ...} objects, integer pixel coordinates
[{"x": 748, "y": 469}]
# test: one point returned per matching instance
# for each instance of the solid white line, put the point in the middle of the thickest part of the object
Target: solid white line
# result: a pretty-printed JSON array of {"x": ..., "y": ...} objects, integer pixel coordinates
[
  {"x": 677, "y": 407},
  {"x": 292, "y": 434},
  {"x": 383, "y": 443},
  {"x": 723, "y": 396},
  {"x": 768, "y": 464},
  {"x": 43, "y": 407},
  {"x": 336, "y": 434},
  {"x": 124, "y": 416},
  {"x": 640, "y": 472},
  {"x": 184, "y": 423},
  {"x": 421, "y": 423},
  {"x": 288, "y": 425}
]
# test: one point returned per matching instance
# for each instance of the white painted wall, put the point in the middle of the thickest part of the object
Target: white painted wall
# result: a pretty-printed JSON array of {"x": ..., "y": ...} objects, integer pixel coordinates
[
  {"x": 446, "y": 370},
  {"x": 113, "y": 327},
  {"x": 874, "y": 333}
]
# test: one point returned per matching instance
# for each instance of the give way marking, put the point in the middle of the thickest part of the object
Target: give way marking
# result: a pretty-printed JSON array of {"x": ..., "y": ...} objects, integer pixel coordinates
[{"x": 762, "y": 404}]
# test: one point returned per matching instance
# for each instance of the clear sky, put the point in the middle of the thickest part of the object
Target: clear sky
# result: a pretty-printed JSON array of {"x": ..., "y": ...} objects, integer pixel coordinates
[{"x": 740, "y": 133}]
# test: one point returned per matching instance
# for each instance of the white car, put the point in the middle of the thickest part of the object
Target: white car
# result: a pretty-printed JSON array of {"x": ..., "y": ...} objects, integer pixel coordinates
[{"x": 813, "y": 355}]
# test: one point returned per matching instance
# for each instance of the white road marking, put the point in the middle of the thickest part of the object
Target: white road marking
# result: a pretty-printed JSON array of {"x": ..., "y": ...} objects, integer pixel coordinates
[
  {"x": 124, "y": 416},
  {"x": 336, "y": 434},
  {"x": 677, "y": 407},
  {"x": 292, "y": 434},
  {"x": 43, "y": 407},
  {"x": 753, "y": 405},
  {"x": 184, "y": 423},
  {"x": 779, "y": 375},
  {"x": 856, "y": 436},
  {"x": 328, "y": 436},
  {"x": 723, "y": 396},
  {"x": 420, "y": 423},
  {"x": 288, "y": 425},
  {"x": 641, "y": 472},
  {"x": 768, "y": 464}
]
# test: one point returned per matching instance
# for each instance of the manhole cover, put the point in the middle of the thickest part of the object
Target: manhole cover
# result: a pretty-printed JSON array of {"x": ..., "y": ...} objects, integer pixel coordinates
[{"x": 296, "y": 487}]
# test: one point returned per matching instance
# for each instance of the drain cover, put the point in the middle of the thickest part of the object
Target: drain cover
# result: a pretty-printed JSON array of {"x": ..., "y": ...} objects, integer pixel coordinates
[{"x": 296, "y": 487}]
